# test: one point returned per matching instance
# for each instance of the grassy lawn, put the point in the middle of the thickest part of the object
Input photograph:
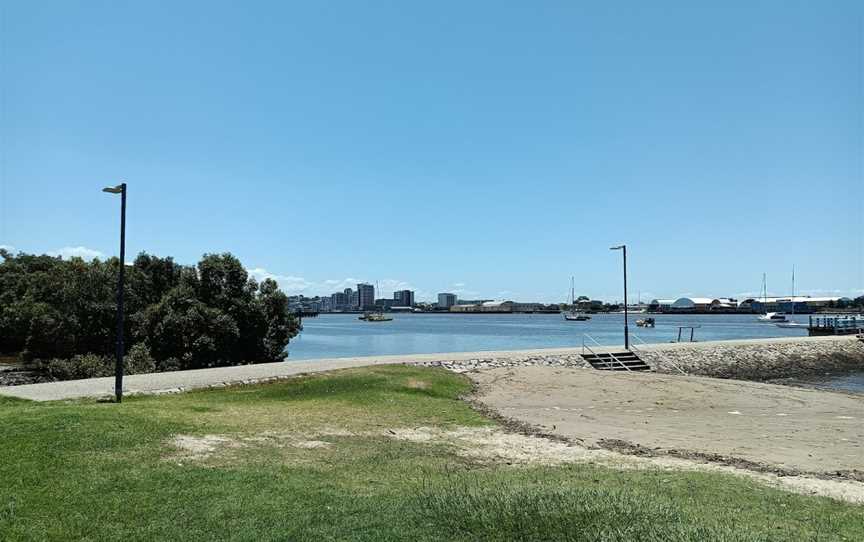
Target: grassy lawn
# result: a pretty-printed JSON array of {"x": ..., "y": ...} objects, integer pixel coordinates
[{"x": 314, "y": 459}]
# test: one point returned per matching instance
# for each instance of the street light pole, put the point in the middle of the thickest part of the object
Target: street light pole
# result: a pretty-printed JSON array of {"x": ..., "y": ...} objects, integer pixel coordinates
[
  {"x": 623, "y": 248},
  {"x": 118, "y": 365}
]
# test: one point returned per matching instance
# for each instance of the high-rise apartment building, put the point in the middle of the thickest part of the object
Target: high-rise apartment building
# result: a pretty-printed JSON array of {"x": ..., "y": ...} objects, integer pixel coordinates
[
  {"x": 446, "y": 300},
  {"x": 340, "y": 301},
  {"x": 365, "y": 296},
  {"x": 403, "y": 298}
]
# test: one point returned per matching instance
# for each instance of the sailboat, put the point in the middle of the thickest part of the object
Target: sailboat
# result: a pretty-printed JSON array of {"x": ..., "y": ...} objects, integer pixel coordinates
[
  {"x": 787, "y": 324},
  {"x": 770, "y": 317},
  {"x": 574, "y": 315},
  {"x": 377, "y": 315}
]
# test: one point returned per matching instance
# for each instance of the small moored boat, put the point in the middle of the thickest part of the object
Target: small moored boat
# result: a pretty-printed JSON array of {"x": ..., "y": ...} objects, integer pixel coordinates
[
  {"x": 773, "y": 317},
  {"x": 574, "y": 315},
  {"x": 791, "y": 325}
]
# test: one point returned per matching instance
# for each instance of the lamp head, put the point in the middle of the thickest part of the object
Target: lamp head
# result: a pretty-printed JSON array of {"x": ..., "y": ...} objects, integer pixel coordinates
[
  {"x": 115, "y": 189},
  {"x": 619, "y": 247}
]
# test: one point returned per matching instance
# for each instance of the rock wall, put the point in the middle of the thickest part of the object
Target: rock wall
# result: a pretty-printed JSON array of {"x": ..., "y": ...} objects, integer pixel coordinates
[
  {"x": 509, "y": 360},
  {"x": 759, "y": 359}
]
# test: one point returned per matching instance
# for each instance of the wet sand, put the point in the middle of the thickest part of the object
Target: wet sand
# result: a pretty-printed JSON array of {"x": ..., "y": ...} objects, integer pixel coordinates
[{"x": 779, "y": 427}]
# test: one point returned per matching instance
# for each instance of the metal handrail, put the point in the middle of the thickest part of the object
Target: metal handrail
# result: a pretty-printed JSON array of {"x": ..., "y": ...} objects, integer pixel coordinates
[
  {"x": 584, "y": 346},
  {"x": 664, "y": 359}
]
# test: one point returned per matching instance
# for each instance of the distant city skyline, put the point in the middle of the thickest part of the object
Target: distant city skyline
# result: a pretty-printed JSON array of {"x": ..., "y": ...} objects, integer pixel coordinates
[
  {"x": 387, "y": 287},
  {"x": 488, "y": 149}
]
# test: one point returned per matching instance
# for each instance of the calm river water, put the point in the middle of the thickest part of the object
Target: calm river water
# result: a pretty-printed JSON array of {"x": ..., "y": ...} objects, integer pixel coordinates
[{"x": 343, "y": 335}]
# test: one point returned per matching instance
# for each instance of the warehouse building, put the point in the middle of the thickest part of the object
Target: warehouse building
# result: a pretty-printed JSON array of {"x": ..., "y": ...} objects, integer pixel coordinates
[
  {"x": 798, "y": 304},
  {"x": 486, "y": 306}
]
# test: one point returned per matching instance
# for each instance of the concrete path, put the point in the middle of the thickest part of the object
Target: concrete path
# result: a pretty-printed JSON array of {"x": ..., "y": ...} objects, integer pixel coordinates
[
  {"x": 205, "y": 378},
  {"x": 245, "y": 374}
]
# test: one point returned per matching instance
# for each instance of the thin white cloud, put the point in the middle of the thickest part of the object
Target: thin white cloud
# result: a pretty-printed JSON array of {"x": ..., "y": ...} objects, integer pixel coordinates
[
  {"x": 288, "y": 284},
  {"x": 812, "y": 292},
  {"x": 310, "y": 288},
  {"x": 424, "y": 295},
  {"x": 386, "y": 287},
  {"x": 330, "y": 286},
  {"x": 823, "y": 292},
  {"x": 77, "y": 252},
  {"x": 8, "y": 248},
  {"x": 463, "y": 293}
]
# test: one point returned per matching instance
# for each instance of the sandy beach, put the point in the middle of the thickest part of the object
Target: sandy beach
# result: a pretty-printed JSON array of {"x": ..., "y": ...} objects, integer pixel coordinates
[{"x": 777, "y": 428}]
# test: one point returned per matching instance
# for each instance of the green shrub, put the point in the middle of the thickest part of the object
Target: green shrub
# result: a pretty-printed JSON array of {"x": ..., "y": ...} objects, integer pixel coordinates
[
  {"x": 138, "y": 360},
  {"x": 80, "y": 366},
  {"x": 170, "y": 364}
]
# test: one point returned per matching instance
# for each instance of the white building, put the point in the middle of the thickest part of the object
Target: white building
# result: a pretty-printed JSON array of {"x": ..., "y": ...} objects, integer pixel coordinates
[
  {"x": 661, "y": 305},
  {"x": 700, "y": 304},
  {"x": 486, "y": 306},
  {"x": 694, "y": 304}
]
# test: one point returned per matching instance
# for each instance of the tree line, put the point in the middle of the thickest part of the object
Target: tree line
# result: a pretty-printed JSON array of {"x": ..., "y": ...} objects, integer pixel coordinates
[{"x": 59, "y": 315}]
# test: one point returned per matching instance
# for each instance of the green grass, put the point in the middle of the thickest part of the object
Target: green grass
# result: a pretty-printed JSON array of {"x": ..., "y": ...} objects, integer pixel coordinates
[{"x": 100, "y": 471}]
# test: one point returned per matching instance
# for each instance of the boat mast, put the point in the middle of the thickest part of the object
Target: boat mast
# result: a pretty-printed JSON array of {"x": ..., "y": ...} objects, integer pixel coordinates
[
  {"x": 793, "y": 280},
  {"x": 793, "y": 289}
]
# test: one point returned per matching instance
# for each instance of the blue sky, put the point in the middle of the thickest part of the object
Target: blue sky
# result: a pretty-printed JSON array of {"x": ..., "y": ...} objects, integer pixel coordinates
[{"x": 488, "y": 148}]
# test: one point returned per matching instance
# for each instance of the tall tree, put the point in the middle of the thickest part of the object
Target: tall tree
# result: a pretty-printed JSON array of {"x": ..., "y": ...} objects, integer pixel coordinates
[{"x": 208, "y": 315}]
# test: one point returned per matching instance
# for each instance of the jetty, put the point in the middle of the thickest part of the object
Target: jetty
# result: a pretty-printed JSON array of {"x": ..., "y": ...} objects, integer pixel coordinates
[{"x": 836, "y": 325}]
